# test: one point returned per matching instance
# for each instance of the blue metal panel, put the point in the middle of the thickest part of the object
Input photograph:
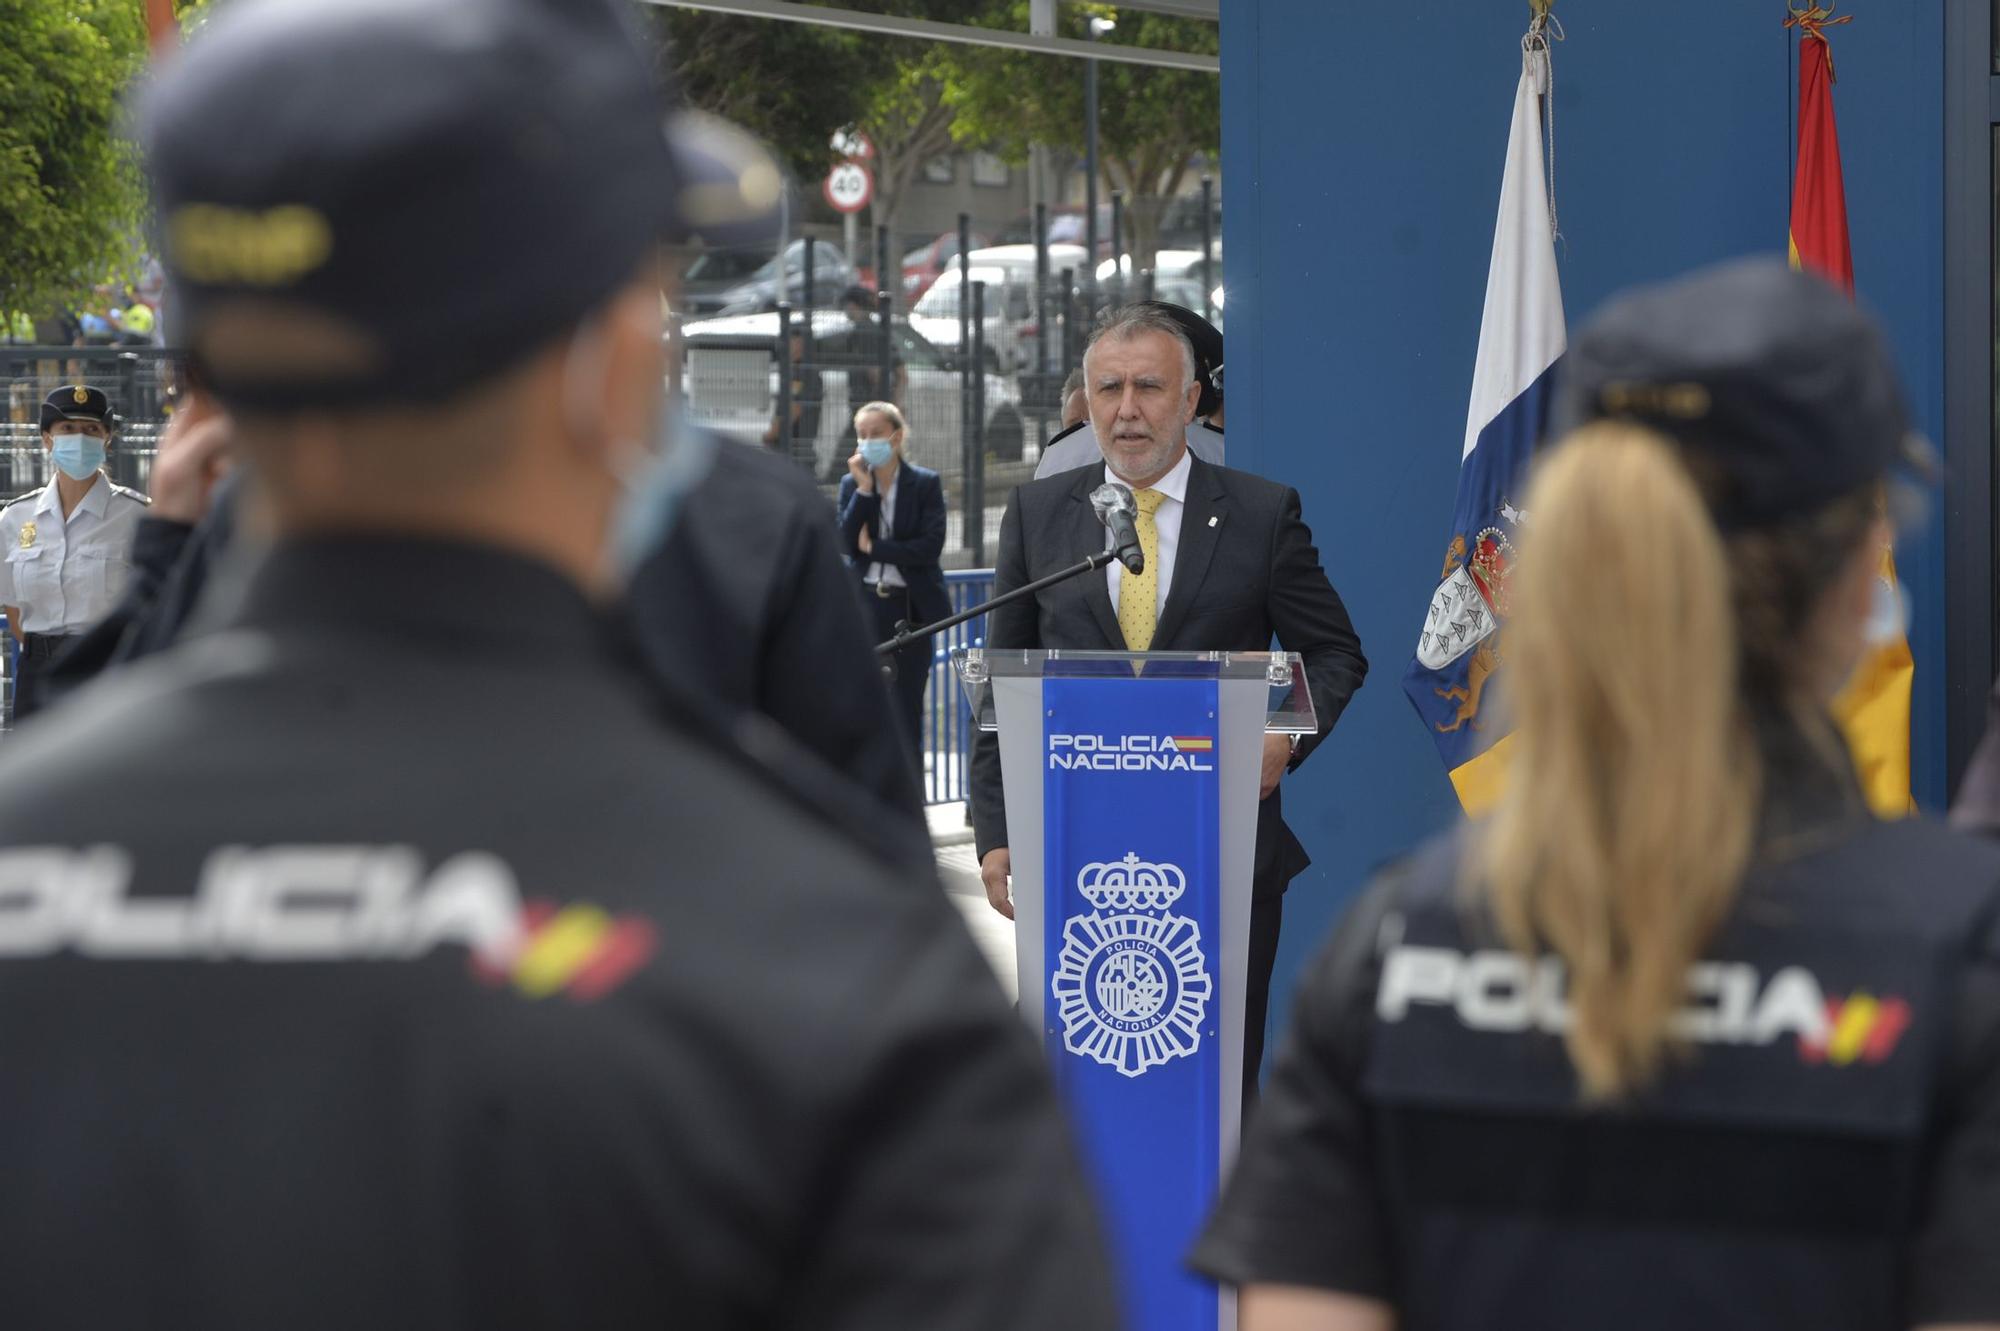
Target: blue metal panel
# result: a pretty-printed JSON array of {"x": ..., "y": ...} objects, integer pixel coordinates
[{"x": 1364, "y": 159}]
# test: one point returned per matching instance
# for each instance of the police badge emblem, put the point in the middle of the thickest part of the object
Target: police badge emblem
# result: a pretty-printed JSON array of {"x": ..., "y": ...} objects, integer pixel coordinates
[
  {"x": 1131, "y": 985},
  {"x": 81, "y": 394},
  {"x": 27, "y": 535}
]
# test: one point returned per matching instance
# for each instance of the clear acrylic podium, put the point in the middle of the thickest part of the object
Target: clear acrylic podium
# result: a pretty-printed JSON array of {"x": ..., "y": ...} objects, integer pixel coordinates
[{"x": 1131, "y": 781}]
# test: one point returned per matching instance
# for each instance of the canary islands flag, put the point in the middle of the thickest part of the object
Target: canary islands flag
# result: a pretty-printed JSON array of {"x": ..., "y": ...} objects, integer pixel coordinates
[{"x": 1521, "y": 337}]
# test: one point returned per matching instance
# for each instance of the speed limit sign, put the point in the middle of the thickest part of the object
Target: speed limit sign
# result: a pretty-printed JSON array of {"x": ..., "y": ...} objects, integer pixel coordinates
[{"x": 849, "y": 187}]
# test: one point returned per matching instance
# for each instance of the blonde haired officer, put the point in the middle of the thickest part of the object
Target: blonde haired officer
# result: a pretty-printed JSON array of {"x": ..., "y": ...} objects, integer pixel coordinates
[
  {"x": 67, "y": 546},
  {"x": 1683, "y": 1036}
]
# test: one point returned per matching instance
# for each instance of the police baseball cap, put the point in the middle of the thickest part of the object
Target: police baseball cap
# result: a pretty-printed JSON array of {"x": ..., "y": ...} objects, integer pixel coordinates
[
  {"x": 1206, "y": 339},
  {"x": 1773, "y": 376},
  {"x": 79, "y": 402},
  {"x": 385, "y": 201}
]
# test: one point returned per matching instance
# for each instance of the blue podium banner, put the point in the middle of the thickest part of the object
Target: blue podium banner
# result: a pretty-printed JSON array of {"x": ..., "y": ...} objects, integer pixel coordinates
[{"x": 1132, "y": 883}]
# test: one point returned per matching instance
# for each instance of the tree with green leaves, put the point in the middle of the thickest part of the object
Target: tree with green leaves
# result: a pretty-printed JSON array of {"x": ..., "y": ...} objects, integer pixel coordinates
[
  {"x": 791, "y": 84},
  {"x": 794, "y": 85},
  {"x": 1152, "y": 123},
  {"x": 70, "y": 187}
]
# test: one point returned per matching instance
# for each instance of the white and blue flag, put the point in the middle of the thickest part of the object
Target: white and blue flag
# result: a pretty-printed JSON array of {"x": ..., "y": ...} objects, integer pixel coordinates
[{"x": 1521, "y": 337}]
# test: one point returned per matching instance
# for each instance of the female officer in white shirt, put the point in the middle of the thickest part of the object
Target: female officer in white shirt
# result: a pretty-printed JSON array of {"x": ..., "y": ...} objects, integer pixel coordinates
[{"x": 68, "y": 545}]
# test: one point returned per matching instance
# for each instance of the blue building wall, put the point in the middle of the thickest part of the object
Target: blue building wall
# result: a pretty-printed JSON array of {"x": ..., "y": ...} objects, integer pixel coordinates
[{"x": 1363, "y": 157}]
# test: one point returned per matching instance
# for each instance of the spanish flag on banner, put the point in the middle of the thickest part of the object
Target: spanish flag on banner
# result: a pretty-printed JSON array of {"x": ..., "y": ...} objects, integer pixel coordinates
[{"x": 1874, "y": 708}]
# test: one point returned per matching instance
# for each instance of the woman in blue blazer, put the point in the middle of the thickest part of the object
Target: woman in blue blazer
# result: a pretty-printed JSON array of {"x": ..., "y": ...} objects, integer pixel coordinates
[{"x": 892, "y": 532}]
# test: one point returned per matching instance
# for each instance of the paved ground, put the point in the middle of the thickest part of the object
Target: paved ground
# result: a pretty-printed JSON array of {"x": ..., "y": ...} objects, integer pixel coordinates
[{"x": 960, "y": 872}]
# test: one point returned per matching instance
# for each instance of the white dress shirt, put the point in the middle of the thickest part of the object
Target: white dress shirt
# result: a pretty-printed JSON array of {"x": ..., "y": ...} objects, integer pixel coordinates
[
  {"x": 886, "y": 574},
  {"x": 1167, "y": 519},
  {"x": 65, "y": 575}
]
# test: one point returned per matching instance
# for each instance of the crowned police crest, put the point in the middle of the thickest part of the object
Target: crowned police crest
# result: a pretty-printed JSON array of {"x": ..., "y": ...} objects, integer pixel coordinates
[{"x": 1131, "y": 985}]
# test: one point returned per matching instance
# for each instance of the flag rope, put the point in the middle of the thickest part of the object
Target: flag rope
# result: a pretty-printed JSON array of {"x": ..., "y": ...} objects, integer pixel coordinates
[
  {"x": 1809, "y": 21},
  {"x": 1536, "y": 41}
]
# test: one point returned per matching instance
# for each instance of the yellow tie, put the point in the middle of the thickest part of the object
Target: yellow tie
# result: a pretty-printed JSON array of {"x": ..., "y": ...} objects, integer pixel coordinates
[{"x": 1139, "y": 593}]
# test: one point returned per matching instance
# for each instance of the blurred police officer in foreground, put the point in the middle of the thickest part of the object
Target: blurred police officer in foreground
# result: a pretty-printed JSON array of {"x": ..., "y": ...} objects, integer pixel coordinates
[
  {"x": 66, "y": 547},
  {"x": 1683, "y": 1037},
  {"x": 387, "y": 959}
]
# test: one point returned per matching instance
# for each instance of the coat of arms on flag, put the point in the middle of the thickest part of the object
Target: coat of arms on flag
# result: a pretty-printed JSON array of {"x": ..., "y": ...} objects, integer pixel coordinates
[{"x": 1460, "y": 647}]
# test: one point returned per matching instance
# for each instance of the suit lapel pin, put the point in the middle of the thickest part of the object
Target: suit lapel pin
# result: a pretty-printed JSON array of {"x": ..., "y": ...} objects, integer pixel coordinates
[{"x": 1214, "y": 521}]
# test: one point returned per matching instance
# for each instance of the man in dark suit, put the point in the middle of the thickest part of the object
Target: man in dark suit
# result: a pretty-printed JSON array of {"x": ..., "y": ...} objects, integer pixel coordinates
[
  {"x": 891, "y": 520},
  {"x": 1229, "y": 565}
]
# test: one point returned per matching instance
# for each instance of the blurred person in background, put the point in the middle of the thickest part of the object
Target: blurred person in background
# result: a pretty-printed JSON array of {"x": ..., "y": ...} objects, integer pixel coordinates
[
  {"x": 67, "y": 546},
  {"x": 1682, "y": 1036},
  {"x": 185, "y": 531},
  {"x": 892, "y": 525},
  {"x": 466, "y": 980},
  {"x": 1075, "y": 403},
  {"x": 863, "y": 359},
  {"x": 799, "y": 437}
]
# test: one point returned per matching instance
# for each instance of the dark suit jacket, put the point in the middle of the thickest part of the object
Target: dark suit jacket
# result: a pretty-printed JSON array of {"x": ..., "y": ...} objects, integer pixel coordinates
[
  {"x": 746, "y": 606},
  {"x": 916, "y": 538},
  {"x": 1250, "y": 574}
]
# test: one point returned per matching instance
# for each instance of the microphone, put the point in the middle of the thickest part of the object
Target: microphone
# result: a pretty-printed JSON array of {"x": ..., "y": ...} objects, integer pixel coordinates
[{"x": 1119, "y": 512}]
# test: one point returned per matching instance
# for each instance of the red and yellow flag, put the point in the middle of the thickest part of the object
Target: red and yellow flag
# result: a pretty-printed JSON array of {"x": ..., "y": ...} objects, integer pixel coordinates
[
  {"x": 1874, "y": 708},
  {"x": 163, "y": 33}
]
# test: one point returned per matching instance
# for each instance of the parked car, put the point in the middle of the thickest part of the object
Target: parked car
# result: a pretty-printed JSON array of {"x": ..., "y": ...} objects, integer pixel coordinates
[
  {"x": 1011, "y": 330},
  {"x": 730, "y": 383},
  {"x": 764, "y": 287},
  {"x": 715, "y": 271},
  {"x": 922, "y": 265}
]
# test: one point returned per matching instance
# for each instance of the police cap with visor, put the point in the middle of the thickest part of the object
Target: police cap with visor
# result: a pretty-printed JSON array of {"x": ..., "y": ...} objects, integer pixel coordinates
[
  {"x": 1773, "y": 379},
  {"x": 79, "y": 402},
  {"x": 379, "y": 202},
  {"x": 1206, "y": 339}
]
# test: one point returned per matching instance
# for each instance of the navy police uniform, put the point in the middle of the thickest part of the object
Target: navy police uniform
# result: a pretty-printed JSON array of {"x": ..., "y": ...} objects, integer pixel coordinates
[
  {"x": 1826, "y": 1157},
  {"x": 390, "y": 957},
  {"x": 1824, "y": 1150}
]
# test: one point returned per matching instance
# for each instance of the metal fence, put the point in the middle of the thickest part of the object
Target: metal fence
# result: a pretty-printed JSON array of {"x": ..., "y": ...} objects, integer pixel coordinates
[
  {"x": 948, "y": 729},
  {"x": 138, "y": 381},
  {"x": 975, "y": 357}
]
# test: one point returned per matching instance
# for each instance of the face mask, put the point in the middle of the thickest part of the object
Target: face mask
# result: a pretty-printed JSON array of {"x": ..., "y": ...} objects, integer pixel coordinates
[
  {"x": 875, "y": 452},
  {"x": 654, "y": 473},
  {"x": 78, "y": 455},
  {"x": 656, "y": 480}
]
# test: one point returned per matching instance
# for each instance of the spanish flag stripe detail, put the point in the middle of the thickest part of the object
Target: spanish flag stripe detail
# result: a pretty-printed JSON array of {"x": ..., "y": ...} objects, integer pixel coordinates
[
  {"x": 1890, "y": 1023},
  {"x": 559, "y": 951},
  {"x": 629, "y": 946},
  {"x": 1193, "y": 742},
  {"x": 1850, "y": 1031}
]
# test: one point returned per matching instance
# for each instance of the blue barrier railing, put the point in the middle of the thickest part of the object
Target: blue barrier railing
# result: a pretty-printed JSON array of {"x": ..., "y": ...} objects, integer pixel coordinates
[{"x": 947, "y": 718}]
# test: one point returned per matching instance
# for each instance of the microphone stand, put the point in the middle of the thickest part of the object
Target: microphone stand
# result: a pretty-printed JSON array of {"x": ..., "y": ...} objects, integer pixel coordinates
[{"x": 908, "y": 635}]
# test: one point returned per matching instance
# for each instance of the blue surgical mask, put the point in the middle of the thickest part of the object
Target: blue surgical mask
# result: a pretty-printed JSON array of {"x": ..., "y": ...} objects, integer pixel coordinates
[
  {"x": 875, "y": 452},
  {"x": 655, "y": 484},
  {"x": 78, "y": 455},
  {"x": 655, "y": 473}
]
